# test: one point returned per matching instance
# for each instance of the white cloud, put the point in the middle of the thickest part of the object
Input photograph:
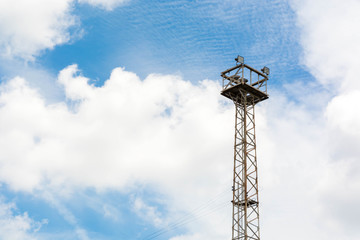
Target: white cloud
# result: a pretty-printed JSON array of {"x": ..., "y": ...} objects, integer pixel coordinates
[
  {"x": 147, "y": 212},
  {"x": 28, "y": 27},
  {"x": 189, "y": 237},
  {"x": 330, "y": 38},
  {"x": 106, "y": 4},
  {"x": 67, "y": 215},
  {"x": 161, "y": 131},
  {"x": 308, "y": 144},
  {"x": 166, "y": 132},
  {"x": 343, "y": 122},
  {"x": 17, "y": 226},
  {"x": 111, "y": 212},
  {"x": 169, "y": 133},
  {"x": 128, "y": 130}
]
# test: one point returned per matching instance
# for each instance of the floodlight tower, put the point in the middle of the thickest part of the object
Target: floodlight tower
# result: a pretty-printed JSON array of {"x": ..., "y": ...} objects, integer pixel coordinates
[{"x": 245, "y": 86}]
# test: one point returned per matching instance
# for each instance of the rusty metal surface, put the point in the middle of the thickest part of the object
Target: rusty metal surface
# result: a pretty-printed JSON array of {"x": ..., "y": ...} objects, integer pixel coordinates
[
  {"x": 256, "y": 94},
  {"x": 245, "y": 86}
]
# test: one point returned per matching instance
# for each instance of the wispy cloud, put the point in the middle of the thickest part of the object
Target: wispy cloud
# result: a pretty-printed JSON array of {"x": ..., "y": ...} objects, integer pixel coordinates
[
  {"x": 106, "y": 4},
  {"x": 65, "y": 213}
]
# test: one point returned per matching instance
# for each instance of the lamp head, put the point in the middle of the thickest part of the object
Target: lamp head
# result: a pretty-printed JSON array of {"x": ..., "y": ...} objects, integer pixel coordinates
[
  {"x": 266, "y": 70},
  {"x": 239, "y": 59}
]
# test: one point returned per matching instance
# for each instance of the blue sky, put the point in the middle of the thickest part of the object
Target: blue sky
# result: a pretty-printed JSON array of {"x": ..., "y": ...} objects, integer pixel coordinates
[
  {"x": 112, "y": 125},
  {"x": 173, "y": 37}
]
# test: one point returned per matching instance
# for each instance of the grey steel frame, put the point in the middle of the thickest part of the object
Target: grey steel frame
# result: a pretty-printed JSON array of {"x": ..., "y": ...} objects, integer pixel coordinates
[{"x": 245, "y": 86}]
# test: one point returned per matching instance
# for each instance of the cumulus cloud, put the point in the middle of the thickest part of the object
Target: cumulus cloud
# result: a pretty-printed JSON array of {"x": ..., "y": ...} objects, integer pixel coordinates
[
  {"x": 125, "y": 131},
  {"x": 170, "y": 133},
  {"x": 330, "y": 36},
  {"x": 29, "y": 27},
  {"x": 161, "y": 131},
  {"x": 308, "y": 143},
  {"x": 330, "y": 39}
]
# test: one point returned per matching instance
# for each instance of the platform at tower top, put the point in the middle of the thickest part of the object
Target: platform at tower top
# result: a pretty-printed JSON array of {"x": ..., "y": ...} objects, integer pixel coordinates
[
  {"x": 234, "y": 93},
  {"x": 244, "y": 84}
]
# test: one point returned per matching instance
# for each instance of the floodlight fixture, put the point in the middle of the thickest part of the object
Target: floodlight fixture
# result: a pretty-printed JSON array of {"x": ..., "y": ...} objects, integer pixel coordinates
[
  {"x": 239, "y": 59},
  {"x": 266, "y": 70}
]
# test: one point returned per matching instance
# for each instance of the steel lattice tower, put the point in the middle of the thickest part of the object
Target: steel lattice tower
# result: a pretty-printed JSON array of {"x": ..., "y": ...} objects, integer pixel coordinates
[{"x": 245, "y": 86}]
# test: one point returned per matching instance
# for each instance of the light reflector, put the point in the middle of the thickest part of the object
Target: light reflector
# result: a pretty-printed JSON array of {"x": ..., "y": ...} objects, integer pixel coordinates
[
  {"x": 266, "y": 70},
  {"x": 239, "y": 59}
]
